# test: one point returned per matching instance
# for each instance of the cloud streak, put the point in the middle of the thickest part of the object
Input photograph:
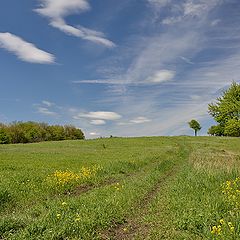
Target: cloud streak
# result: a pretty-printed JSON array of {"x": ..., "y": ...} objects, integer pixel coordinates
[
  {"x": 99, "y": 115},
  {"x": 56, "y": 11},
  {"x": 190, "y": 9},
  {"x": 25, "y": 51},
  {"x": 98, "y": 122},
  {"x": 46, "y": 111}
]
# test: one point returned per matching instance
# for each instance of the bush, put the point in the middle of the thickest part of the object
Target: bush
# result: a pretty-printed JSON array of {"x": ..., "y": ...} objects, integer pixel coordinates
[
  {"x": 217, "y": 130},
  {"x": 4, "y": 137},
  {"x": 29, "y": 132}
]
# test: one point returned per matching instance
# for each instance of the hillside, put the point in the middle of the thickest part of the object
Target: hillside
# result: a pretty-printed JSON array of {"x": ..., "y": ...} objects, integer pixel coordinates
[{"x": 121, "y": 188}]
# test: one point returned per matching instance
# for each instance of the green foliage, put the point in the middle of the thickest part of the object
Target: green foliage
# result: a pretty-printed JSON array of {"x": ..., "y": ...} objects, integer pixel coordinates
[
  {"x": 226, "y": 110},
  {"x": 72, "y": 133},
  {"x": 195, "y": 125},
  {"x": 4, "y": 137},
  {"x": 30, "y": 132},
  {"x": 232, "y": 128},
  {"x": 217, "y": 130}
]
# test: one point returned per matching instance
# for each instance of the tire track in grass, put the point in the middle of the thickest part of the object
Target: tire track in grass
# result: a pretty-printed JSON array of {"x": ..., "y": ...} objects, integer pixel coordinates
[
  {"x": 132, "y": 226},
  {"x": 84, "y": 188}
]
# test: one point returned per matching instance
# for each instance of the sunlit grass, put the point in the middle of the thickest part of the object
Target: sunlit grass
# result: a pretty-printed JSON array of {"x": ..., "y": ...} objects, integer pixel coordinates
[{"x": 171, "y": 187}]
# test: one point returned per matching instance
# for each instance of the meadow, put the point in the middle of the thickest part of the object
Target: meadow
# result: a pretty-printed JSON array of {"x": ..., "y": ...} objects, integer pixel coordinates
[{"x": 121, "y": 188}]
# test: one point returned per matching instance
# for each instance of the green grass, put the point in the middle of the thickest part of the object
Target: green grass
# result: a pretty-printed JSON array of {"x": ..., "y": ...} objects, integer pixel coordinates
[{"x": 144, "y": 188}]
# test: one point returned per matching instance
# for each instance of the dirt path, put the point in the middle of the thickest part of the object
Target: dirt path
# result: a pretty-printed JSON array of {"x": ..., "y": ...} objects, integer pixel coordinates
[{"x": 132, "y": 226}]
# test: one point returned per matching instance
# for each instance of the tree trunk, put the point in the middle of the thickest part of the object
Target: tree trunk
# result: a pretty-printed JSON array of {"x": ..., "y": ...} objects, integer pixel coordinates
[{"x": 195, "y": 133}]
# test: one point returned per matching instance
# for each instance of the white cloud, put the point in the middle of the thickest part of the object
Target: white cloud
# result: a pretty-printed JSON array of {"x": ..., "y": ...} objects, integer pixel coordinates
[
  {"x": 99, "y": 115},
  {"x": 187, "y": 60},
  {"x": 94, "y": 134},
  {"x": 215, "y": 22},
  {"x": 97, "y": 122},
  {"x": 191, "y": 9},
  {"x": 47, "y": 103},
  {"x": 25, "y": 51},
  {"x": 161, "y": 76},
  {"x": 57, "y": 10},
  {"x": 139, "y": 120},
  {"x": 194, "y": 9},
  {"x": 46, "y": 111},
  {"x": 62, "y": 8},
  {"x": 171, "y": 20}
]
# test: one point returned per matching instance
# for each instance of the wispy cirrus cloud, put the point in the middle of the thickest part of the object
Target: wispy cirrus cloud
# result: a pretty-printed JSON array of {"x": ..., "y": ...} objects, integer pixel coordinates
[
  {"x": 156, "y": 78},
  {"x": 161, "y": 76},
  {"x": 99, "y": 115},
  {"x": 160, "y": 53},
  {"x": 47, "y": 108},
  {"x": 94, "y": 134},
  {"x": 98, "y": 122},
  {"x": 187, "y": 60},
  {"x": 46, "y": 111},
  {"x": 137, "y": 120},
  {"x": 189, "y": 9},
  {"x": 47, "y": 103},
  {"x": 24, "y": 50},
  {"x": 56, "y": 11}
]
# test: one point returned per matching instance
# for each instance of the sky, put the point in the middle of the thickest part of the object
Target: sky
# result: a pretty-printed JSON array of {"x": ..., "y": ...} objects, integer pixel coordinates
[{"x": 121, "y": 68}]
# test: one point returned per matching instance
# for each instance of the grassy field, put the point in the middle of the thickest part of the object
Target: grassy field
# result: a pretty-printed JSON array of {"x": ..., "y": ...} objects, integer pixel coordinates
[{"x": 136, "y": 188}]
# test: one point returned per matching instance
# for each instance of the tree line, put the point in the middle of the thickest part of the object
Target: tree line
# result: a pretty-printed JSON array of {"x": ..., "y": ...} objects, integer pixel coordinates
[
  {"x": 226, "y": 112},
  {"x": 30, "y": 132}
]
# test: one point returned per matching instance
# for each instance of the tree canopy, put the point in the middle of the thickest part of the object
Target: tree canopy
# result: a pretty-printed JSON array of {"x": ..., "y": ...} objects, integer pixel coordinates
[
  {"x": 195, "y": 125},
  {"x": 29, "y": 132},
  {"x": 226, "y": 112}
]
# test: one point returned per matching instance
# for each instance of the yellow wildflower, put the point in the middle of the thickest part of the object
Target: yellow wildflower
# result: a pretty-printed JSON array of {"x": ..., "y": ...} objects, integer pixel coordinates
[
  {"x": 222, "y": 221},
  {"x": 216, "y": 230}
]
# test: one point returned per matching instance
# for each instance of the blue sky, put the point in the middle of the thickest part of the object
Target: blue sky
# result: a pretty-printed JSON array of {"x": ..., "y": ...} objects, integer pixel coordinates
[{"x": 122, "y": 68}]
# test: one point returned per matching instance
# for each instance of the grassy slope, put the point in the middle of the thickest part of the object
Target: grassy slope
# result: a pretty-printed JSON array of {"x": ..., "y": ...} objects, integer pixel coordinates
[{"x": 148, "y": 188}]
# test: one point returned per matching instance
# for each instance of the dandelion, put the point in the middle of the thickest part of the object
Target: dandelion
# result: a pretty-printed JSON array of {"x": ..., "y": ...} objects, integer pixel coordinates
[
  {"x": 77, "y": 219},
  {"x": 64, "y": 203},
  {"x": 125, "y": 229},
  {"x": 58, "y": 215}
]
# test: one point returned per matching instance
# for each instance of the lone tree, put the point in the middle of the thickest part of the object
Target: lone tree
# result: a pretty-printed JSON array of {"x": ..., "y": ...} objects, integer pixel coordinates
[
  {"x": 226, "y": 112},
  {"x": 195, "y": 125}
]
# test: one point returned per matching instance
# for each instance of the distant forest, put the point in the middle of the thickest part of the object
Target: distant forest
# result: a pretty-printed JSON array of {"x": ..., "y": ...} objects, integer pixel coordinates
[{"x": 30, "y": 132}]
